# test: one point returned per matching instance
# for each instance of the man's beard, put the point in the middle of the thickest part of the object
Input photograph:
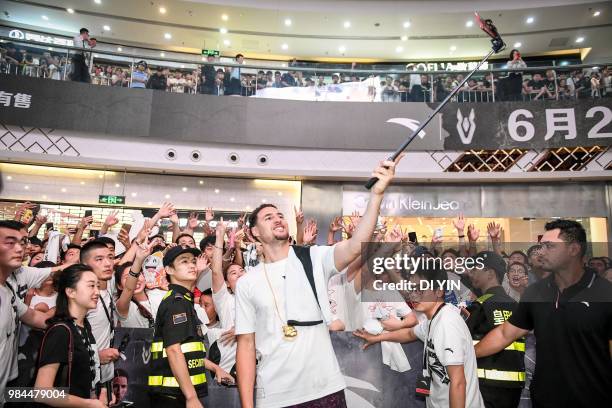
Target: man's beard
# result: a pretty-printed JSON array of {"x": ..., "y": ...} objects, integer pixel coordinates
[{"x": 283, "y": 237}]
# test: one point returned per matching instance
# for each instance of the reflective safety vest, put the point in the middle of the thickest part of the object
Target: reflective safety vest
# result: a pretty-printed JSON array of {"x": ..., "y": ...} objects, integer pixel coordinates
[
  {"x": 505, "y": 369},
  {"x": 161, "y": 380}
]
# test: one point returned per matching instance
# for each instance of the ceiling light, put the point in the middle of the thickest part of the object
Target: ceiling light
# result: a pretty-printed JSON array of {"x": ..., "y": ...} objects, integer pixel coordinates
[
  {"x": 453, "y": 48},
  {"x": 44, "y": 197},
  {"x": 347, "y": 24},
  {"x": 216, "y": 191},
  {"x": 263, "y": 200},
  {"x": 342, "y": 48},
  {"x": 106, "y": 28},
  {"x": 162, "y": 10},
  {"x": 404, "y": 38},
  {"x": 167, "y": 196},
  {"x": 162, "y": 54},
  {"x": 182, "y": 66},
  {"x": 82, "y": 183},
  {"x": 69, "y": 10},
  {"x": 223, "y": 30},
  {"x": 9, "y": 177},
  {"x": 280, "y": 193},
  {"x": 203, "y": 58},
  {"x": 98, "y": 1},
  {"x": 26, "y": 187},
  {"x": 517, "y": 45},
  {"x": 224, "y": 17},
  {"x": 529, "y": 20},
  {"x": 226, "y": 42},
  {"x": 134, "y": 194},
  {"x": 406, "y": 24},
  {"x": 150, "y": 203},
  {"x": 63, "y": 190},
  {"x": 45, "y": 18},
  {"x": 248, "y": 208},
  {"x": 285, "y": 46},
  {"x": 597, "y": 13},
  {"x": 579, "y": 39},
  {"x": 117, "y": 185},
  {"x": 288, "y": 22},
  {"x": 232, "y": 199},
  {"x": 399, "y": 49},
  {"x": 168, "y": 36},
  {"x": 119, "y": 49},
  {"x": 50, "y": 48},
  {"x": 469, "y": 23},
  {"x": 201, "y": 182},
  {"x": 184, "y": 189}
]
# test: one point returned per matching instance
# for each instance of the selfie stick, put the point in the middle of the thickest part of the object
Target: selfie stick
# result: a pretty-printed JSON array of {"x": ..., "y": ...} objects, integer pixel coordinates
[{"x": 497, "y": 44}]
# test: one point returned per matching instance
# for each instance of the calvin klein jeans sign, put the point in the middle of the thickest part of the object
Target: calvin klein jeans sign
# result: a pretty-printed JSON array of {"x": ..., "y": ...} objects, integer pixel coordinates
[{"x": 527, "y": 124}]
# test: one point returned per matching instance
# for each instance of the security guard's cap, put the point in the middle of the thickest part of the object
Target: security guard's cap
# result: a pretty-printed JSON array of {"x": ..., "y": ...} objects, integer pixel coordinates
[
  {"x": 173, "y": 253},
  {"x": 492, "y": 260}
]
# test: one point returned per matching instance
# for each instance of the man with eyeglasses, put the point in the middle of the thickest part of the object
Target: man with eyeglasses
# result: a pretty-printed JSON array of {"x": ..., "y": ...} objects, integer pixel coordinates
[
  {"x": 13, "y": 243},
  {"x": 571, "y": 315}
]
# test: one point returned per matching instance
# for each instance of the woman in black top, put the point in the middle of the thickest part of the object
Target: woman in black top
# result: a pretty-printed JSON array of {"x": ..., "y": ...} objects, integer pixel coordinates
[{"x": 68, "y": 352}]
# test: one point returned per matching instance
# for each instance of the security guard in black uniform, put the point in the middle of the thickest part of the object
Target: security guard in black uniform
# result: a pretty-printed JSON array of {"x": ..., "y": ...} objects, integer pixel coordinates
[
  {"x": 501, "y": 376},
  {"x": 178, "y": 357}
]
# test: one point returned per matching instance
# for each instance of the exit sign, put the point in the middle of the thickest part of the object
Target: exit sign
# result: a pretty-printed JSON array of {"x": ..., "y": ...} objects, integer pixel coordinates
[
  {"x": 111, "y": 199},
  {"x": 214, "y": 53}
]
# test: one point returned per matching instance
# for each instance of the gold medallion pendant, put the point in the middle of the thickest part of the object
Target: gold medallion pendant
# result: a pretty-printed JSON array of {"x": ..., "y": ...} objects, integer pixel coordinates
[{"x": 289, "y": 332}]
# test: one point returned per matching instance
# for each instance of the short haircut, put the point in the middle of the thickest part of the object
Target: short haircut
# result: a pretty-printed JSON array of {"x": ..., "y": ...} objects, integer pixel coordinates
[
  {"x": 184, "y": 235},
  {"x": 521, "y": 253},
  {"x": 83, "y": 30},
  {"x": 532, "y": 249},
  {"x": 36, "y": 241},
  {"x": 91, "y": 246},
  {"x": 209, "y": 240},
  {"x": 207, "y": 292},
  {"x": 45, "y": 264},
  {"x": 519, "y": 264},
  {"x": 13, "y": 225},
  {"x": 70, "y": 246},
  {"x": 239, "y": 55},
  {"x": 120, "y": 372},
  {"x": 255, "y": 213},
  {"x": 106, "y": 241},
  {"x": 570, "y": 232}
]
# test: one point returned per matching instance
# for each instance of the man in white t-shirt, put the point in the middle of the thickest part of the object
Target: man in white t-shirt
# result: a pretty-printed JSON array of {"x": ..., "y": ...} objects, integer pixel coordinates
[
  {"x": 103, "y": 318},
  {"x": 450, "y": 362},
  {"x": 281, "y": 313}
]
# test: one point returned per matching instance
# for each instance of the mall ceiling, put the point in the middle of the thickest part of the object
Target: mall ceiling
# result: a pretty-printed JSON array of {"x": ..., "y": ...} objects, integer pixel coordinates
[{"x": 328, "y": 30}]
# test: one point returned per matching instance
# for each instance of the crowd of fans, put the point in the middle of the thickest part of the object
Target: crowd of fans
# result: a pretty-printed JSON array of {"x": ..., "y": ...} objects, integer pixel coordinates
[
  {"x": 35, "y": 263},
  {"x": 414, "y": 86}
]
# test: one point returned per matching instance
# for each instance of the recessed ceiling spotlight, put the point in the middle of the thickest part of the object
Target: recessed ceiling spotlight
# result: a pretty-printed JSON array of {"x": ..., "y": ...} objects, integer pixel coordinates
[
  {"x": 469, "y": 23},
  {"x": 134, "y": 194},
  {"x": 530, "y": 20},
  {"x": 203, "y": 58},
  {"x": 342, "y": 48},
  {"x": 217, "y": 191},
  {"x": 597, "y": 13},
  {"x": 406, "y": 24},
  {"x": 98, "y": 1},
  {"x": 162, "y": 10},
  {"x": 517, "y": 45},
  {"x": 26, "y": 187},
  {"x": 117, "y": 185},
  {"x": 167, "y": 196},
  {"x": 223, "y": 30},
  {"x": 404, "y": 38},
  {"x": 106, "y": 28},
  {"x": 226, "y": 43},
  {"x": 399, "y": 49},
  {"x": 288, "y": 22},
  {"x": 9, "y": 177},
  {"x": 162, "y": 54},
  {"x": 201, "y": 182},
  {"x": 453, "y": 48},
  {"x": 168, "y": 36},
  {"x": 184, "y": 189},
  {"x": 580, "y": 39},
  {"x": 232, "y": 199},
  {"x": 45, "y": 18},
  {"x": 69, "y": 10},
  {"x": 63, "y": 190},
  {"x": 119, "y": 49},
  {"x": 285, "y": 46},
  {"x": 347, "y": 24}
]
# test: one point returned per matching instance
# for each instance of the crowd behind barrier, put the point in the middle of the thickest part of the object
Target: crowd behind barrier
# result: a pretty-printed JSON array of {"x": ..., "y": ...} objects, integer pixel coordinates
[{"x": 222, "y": 78}]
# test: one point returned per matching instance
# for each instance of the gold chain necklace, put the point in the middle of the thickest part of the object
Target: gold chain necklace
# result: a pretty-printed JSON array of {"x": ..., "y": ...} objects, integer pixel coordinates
[{"x": 289, "y": 332}]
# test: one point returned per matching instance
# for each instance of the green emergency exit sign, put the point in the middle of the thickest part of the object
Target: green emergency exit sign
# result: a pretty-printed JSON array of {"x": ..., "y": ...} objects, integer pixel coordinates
[{"x": 111, "y": 199}]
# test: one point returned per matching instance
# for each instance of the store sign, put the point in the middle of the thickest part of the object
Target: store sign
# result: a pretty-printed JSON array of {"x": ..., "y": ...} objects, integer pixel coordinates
[
  {"x": 449, "y": 66},
  {"x": 15, "y": 100},
  {"x": 111, "y": 199},
  {"x": 214, "y": 53},
  {"x": 41, "y": 38}
]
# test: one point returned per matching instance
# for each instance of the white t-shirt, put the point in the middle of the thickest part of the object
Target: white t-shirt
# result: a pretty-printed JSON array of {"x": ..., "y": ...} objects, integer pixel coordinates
[
  {"x": 288, "y": 372},
  {"x": 388, "y": 303},
  {"x": 344, "y": 302},
  {"x": 225, "y": 305},
  {"x": 100, "y": 325},
  {"x": 449, "y": 343},
  {"x": 26, "y": 277},
  {"x": 155, "y": 298},
  {"x": 11, "y": 307},
  {"x": 134, "y": 318}
]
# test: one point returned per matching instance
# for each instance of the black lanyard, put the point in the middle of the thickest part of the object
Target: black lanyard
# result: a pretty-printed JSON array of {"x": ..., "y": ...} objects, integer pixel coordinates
[
  {"x": 109, "y": 316},
  {"x": 425, "y": 364}
]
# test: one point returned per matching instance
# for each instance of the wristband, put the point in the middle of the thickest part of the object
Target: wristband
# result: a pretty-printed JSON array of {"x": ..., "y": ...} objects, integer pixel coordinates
[
  {"x": 461, "y": 236},
  {"x": 134, "y": 274}
]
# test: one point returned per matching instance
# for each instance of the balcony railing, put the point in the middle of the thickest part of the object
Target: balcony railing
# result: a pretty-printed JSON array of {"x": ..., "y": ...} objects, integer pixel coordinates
[{"x": 183, "y": 75}]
